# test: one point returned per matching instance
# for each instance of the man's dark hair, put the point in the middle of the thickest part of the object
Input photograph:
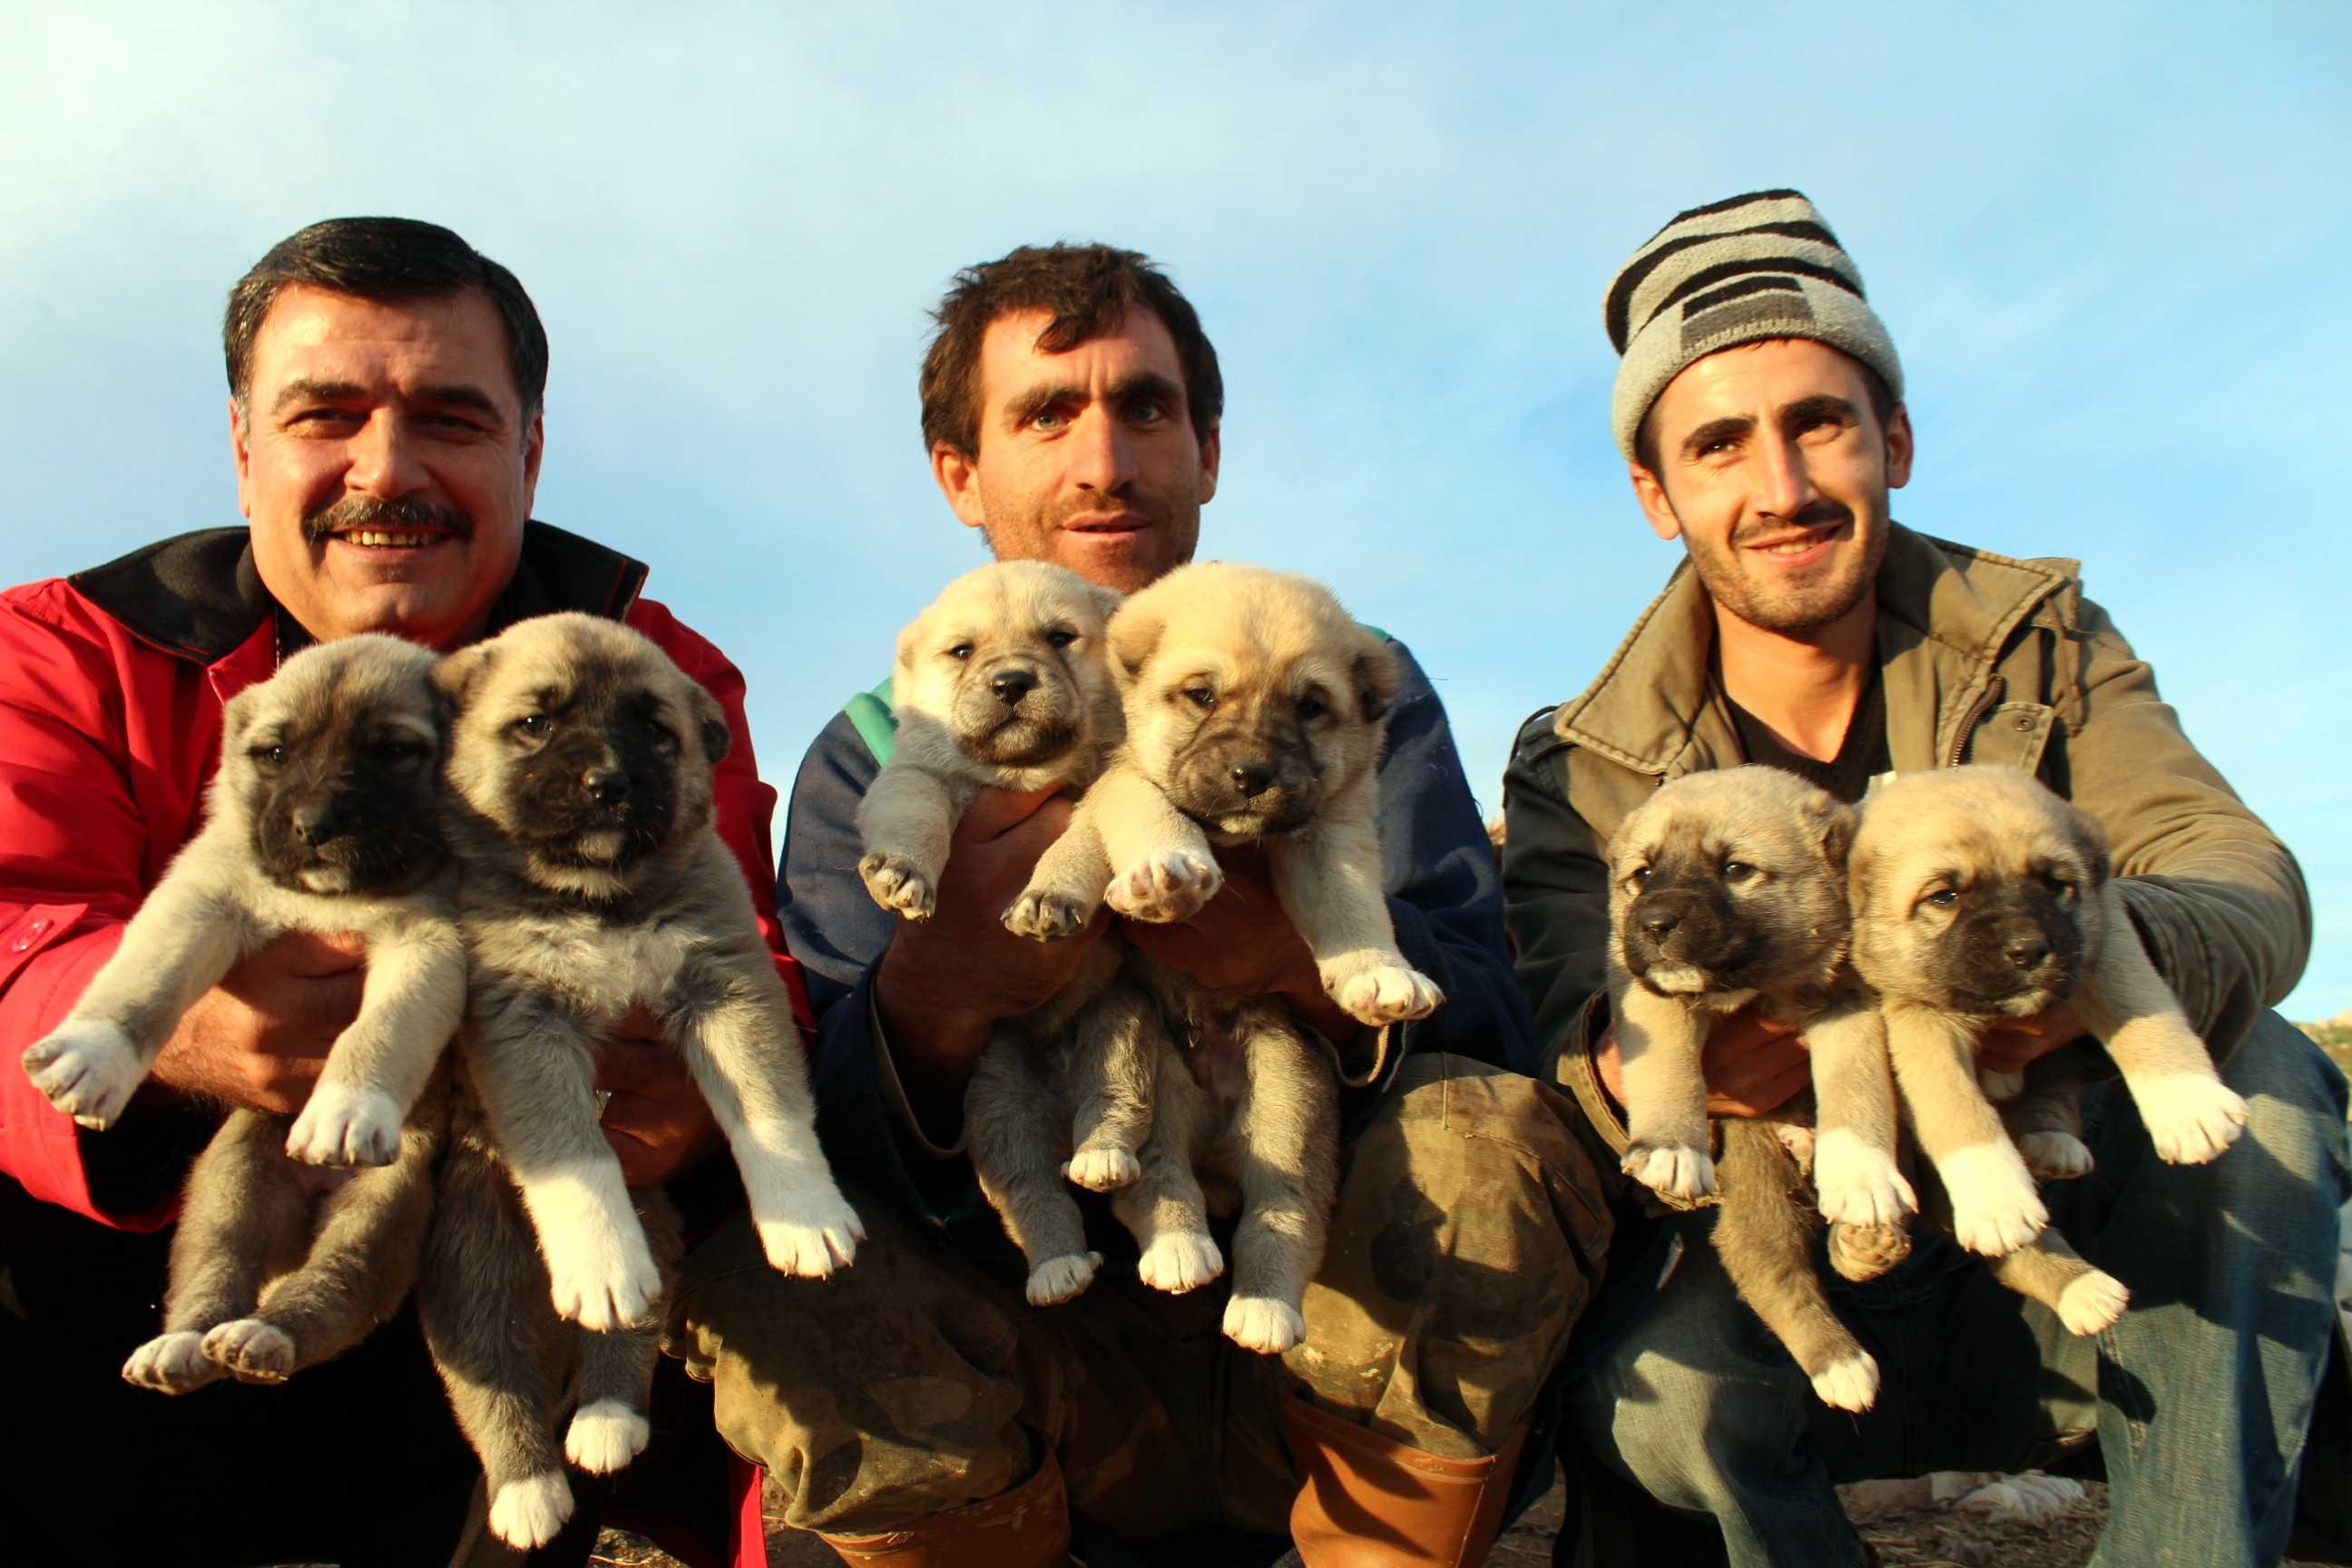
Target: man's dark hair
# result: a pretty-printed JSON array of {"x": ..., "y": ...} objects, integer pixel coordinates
[
  {"x": 383, "y": 260},
  {"x": 1882, "y": 404},
  {"x": 1088, "y": 289}
]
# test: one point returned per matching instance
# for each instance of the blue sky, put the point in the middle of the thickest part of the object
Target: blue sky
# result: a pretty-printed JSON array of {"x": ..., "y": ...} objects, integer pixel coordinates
[{"x": 2111, "y": 250}]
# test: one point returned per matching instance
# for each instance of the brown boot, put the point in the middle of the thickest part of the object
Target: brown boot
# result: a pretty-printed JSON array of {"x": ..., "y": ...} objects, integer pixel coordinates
[
  {"x": 1365, "y": 1501},
  {"x": 1028, "y": 1527}
]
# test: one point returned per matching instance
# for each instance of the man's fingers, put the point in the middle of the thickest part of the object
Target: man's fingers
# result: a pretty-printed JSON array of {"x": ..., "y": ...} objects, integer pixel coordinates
[{"x": 316, "y": 953}]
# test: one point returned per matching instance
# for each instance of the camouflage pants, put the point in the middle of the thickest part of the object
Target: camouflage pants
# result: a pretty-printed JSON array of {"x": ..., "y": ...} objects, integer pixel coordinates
[{"x": 1468, "y": 1239}]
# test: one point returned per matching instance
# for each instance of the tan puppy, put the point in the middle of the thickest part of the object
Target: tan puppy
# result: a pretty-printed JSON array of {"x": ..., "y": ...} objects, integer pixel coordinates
[
  {"x": 1001, "y": 681},
  {"x": 1979, "y": 896},
  {"x": 1254, "y": 713},
  {"x": 578, "y": 801},
  {"x": 323, "y": 816},
  {"x": 1728, "y": 889}
]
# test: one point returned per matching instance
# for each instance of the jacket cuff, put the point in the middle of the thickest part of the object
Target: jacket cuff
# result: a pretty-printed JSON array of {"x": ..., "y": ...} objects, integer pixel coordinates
[
  {"x": 894, "y": 1093},
  {"x": 1571, "y": 1067}
]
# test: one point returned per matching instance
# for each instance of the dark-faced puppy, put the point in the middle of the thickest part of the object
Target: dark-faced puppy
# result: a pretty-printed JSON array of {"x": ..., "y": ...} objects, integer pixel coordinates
[
  {"x": 322, "y": 817},
  {"x": 580, "y": 802}
]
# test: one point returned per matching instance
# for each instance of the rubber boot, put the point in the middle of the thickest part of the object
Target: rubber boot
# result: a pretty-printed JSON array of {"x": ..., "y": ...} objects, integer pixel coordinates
[
  {"x": 1028, "y": 1527},
  {"x": 1367, "y": 1502}
]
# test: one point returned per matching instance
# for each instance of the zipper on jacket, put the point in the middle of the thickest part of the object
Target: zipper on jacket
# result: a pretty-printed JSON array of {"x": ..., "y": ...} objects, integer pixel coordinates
[{"x": 1973, "y": 717}]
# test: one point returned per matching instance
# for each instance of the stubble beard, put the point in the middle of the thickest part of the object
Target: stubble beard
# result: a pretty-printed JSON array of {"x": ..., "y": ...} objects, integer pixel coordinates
[{"x": 1787, "y": 609}]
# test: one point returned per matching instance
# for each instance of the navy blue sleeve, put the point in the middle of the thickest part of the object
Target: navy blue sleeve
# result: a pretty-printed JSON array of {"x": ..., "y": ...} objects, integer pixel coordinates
[
  {"x": 837, "y": 932},
  {"x": 1444, "y": 890}
]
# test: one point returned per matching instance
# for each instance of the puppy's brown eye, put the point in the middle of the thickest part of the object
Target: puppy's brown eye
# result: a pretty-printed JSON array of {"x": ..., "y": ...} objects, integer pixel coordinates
[
  {"x": 1941, "y": 898},
  {"x": 1061, "y": 639},
  {"x": 659, "y": 734},
  {"x": 961, "y": 652},
  {"x": 1638, "y": 875},
  {"x": 1201, "y": 696},
  {"x": 2063, "y": 889},
  {"x": 1738, "y": 871},
  {"x": 531, "y": 724},
  {"x": 1310, "y": 708},
  {"x": 267, "y": 756}
]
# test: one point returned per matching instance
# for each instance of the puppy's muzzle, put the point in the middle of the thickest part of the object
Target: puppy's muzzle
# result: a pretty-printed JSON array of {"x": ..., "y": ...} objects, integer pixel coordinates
[{"x": 1010, "y": 684}]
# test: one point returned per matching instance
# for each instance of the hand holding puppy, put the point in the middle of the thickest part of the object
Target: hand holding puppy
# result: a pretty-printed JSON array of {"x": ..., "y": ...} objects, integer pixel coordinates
[{"x": 259, "y": 1038}]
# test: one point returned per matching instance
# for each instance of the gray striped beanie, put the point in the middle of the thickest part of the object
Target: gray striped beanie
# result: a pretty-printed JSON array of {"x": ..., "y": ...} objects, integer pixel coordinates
[{"x": 1735, "y": 271}]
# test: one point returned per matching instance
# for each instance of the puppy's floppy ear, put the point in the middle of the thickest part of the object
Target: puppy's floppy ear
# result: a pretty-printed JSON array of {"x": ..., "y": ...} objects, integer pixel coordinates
[
  {"x": 2088, "y": 840},
  {"x": 1134, "y": 634},
  {"x": 456, "y": 675},
  {"x": 237, "y": 716},
  {"x": 1377, "y": 677},
  {"x": 908, "y": 650},
  {"x": 1106, "y": 599},
  {"x": 710, "y": 722},
  {"x": 1832, "y": 823}
]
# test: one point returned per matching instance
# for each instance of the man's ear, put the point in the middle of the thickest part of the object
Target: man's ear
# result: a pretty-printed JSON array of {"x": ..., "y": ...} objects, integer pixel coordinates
[
  {"x": 1652, "y": 495},
  {"x": 1377, "y": 679},
  {"x": 957, "y": 473},
  {"x": 456, "y": 674},
  {"x": 1899, "y": 447},
  {"x": 710, "y": 722},
  {"x": 1212, "y": 452},
  {"x": 1134, "y": 635},
  {"x": 240, "y": 452},
  {"x": 534, "y": 447}
]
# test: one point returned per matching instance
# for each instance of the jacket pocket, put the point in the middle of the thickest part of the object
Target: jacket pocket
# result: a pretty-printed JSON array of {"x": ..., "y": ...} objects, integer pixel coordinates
[
  {"x": 29, "y": 928},
  {"x": 2012, "y": 735}
]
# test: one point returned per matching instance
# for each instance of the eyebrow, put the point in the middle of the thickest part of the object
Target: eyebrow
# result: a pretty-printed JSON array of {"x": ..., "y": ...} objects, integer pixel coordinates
[
  {"x": 1140, "y": 383},
  {"x": 1791, "y": 417},
  {"x": 1730, "y": 429},
  {"x": 447, "y": 394}
]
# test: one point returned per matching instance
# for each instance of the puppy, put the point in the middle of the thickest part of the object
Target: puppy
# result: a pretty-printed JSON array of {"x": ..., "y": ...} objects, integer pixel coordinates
[
  {"x": 1004, "y": 681},
  {"x": 322, "y": 818},
  {"x": 1728, "y": 887},
  {"x": 1979, "y": 896},
  {"x": 1255, "y": 711},
  {"x": 578, "y": 801}
]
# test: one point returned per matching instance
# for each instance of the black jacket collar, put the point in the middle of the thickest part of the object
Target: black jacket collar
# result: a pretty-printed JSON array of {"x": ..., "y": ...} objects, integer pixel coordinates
[{"x": 198, "y": 596}]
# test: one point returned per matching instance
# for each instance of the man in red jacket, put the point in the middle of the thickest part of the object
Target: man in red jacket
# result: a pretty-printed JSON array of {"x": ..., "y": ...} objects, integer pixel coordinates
[{"x": 385, "y": 386}]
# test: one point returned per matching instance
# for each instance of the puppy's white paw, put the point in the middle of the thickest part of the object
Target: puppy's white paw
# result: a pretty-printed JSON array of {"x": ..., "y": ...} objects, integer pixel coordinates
[
  {"x": 2054, "y": 1156},
  {"x": 528, "y": 1513},
  {"x": 2000, "y": 1088},
  {"x": 1372, "y": 990},
  {"x": 342, "y": 1126},
  {"x": 1046, "y": 916},
  {"x": 1858, "y": 1184},
  {"x": 2092, "y": 1304},
  {"x": 606, "y": 1436},
  {"x": 602, "y": 1281},
  {"x": 1995, "y": 1209},
  {"x": 2190, "y": 1118},
  {"x": 254, "y": 1351},
  {"x": 814, "y": 1233},
  {"x": 1057, "y": 1279},
  {"x": 1862, "y": 1253},
  {"x": 1849, "y": 1383},
  {"x": 1165, "y": 885},
  {"x": 1103, "y": 1170},
  {"x": 1676, "y": 1171},
  {"x": 171, "y": 1363},
  {"x": 898, "y": 883},
  {"x": 88, "y": 1069},
  {"x": 1264, "y": 1324},
  {"x": 1179, "y": 1260}
]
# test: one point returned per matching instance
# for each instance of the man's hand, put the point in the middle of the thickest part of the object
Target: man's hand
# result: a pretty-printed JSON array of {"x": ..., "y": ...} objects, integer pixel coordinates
[
  {"x": 656, "y": 1119},
  {"x": 1753, "y": 1066},
  {"x": 260, "y": 1037},
  {"x": 1241, "y": 940},
  {"x": 943, "y": 983},
  {"x": 2008, "y": 1047}
]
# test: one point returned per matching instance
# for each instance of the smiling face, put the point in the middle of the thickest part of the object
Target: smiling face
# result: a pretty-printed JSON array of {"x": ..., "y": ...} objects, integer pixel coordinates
[
  {"x": 1773, "y": 469},
  {"x": 384, "y": 462},
  {"x": 1087, "y": 458}
]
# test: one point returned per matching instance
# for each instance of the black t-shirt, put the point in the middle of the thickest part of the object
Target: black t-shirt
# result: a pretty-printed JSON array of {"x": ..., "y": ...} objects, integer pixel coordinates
[{"x": 1862, "y": 757}]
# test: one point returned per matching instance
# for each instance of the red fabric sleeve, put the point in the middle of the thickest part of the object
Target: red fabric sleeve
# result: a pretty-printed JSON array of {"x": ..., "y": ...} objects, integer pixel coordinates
[{"x": 744, "y": 805}]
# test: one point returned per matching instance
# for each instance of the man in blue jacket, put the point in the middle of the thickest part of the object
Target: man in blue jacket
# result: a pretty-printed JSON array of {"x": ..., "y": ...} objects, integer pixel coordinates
[{"x": 916, "y": 1409}]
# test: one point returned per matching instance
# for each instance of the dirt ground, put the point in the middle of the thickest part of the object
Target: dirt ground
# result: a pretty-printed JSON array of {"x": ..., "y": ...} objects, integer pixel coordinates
[{"x": 1908, "y": 1531}]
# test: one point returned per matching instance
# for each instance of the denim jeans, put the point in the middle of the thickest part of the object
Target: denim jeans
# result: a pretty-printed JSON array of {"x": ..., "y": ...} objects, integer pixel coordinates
[{"x": 2200, "y": 1396}]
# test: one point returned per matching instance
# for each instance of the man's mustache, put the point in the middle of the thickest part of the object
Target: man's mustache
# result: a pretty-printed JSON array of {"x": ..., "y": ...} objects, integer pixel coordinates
[
  {"x": 405, "y": 514},
  {"x": 1823, "y": 513}
]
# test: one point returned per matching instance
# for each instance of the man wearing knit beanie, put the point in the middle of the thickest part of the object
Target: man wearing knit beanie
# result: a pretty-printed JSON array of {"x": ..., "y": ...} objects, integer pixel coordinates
[{"x": 1759, "y": 406}]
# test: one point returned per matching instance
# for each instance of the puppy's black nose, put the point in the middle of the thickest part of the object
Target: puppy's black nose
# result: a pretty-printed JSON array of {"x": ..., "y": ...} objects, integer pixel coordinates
[
  {"x": 2027, "y": 949},
  {"x": 1657, "y": 914},
  {"x": 314, "y": 824},
  {"x": 606, "y": 784},
  {"x": 1253, "y": 779},
  {"x": 1011, "y": 685}
]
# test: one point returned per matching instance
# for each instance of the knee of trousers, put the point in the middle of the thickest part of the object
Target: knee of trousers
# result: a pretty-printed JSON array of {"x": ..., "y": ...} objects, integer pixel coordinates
[
  {"x": 1692, "y": 1402},
  {"x": 884, "y": 1395},
  {"x": 1466, "y": 1241},
  {"x": 2296, "y": 1102}
]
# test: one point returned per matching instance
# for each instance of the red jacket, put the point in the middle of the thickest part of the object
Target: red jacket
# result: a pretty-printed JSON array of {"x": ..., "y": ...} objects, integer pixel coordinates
[{"x": 111, "y": 683}]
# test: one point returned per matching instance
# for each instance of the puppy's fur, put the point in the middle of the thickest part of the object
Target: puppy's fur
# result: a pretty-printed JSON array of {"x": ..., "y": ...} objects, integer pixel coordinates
[
  {"x": 322, "y": 817},
  {"x": 1728, "y": 887},
  {"x": 579, "y": 799},
  {"x": 1004, "y": 680},
  {"x": 1979, "y": 896},
  {"x": 1255, "y": 711}
]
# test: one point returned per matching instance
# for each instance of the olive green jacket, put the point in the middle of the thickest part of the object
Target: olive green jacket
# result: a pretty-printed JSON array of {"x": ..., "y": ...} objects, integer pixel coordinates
[{"x": 1984, "y": 659}]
